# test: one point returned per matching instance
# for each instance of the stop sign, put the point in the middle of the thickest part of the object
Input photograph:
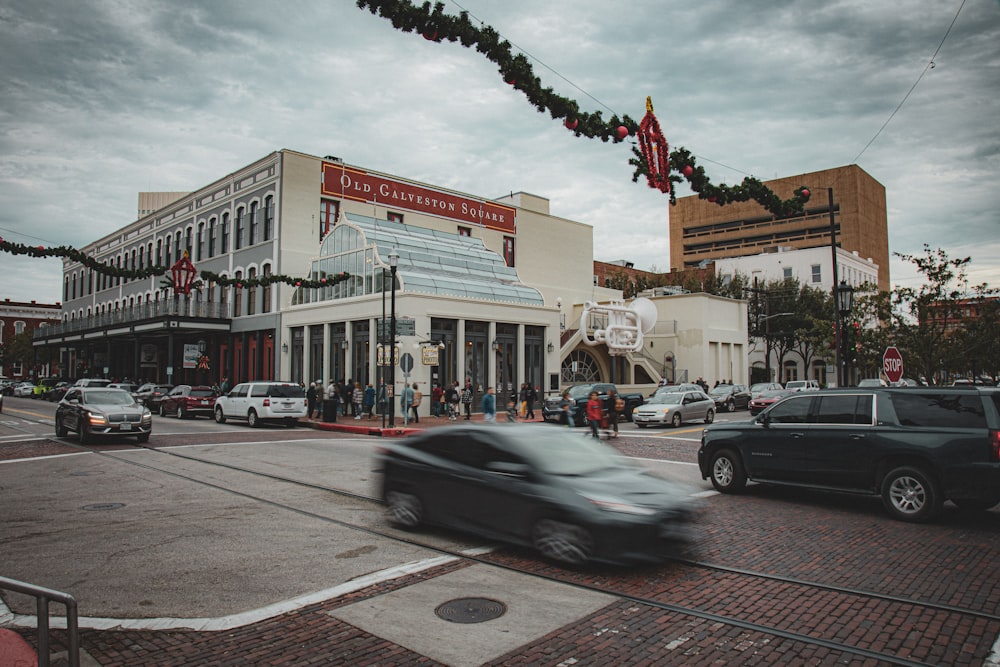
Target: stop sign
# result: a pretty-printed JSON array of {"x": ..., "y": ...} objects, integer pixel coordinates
[{"x": 892, "y": 364}]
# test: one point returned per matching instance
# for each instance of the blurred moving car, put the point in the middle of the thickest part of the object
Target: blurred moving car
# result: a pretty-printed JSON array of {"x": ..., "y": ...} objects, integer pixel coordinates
[
  {"x": 730, "y": 397},
  {"x": 674, "y": 408},
  {"x": 24, "y": 389},
  {"x": 55, "y": 394},
  {"x": 760, "y": 387},
  {"x": 150, "y": 394},
  {"x": 98, "y": 411},
  {"x": 92, "y": 382},
  {"x": 185, "y": 401},
  {"x": 768, "y": 398},
  {"x": 258, "y": 402},
  {"x": 130, "y": 387},
  {"x": 572, "y": 499}
]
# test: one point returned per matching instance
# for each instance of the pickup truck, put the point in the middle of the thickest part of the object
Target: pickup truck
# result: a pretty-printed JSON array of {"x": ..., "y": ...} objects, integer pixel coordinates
[{"x": 580, "y": 394}]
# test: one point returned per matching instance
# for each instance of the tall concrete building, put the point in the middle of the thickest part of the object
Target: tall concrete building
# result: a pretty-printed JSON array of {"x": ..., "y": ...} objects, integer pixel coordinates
[{"x": 701, "y": 230}]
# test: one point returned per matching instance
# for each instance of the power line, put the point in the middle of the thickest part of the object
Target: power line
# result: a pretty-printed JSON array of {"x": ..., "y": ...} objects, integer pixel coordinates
[{"x": 928, "y": 66}]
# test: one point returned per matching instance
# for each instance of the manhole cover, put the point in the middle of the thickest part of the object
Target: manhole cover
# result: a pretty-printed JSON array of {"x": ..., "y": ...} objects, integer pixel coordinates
[
  {"x": 471, "y": 610},
  {"x": 103, "y": 507}
]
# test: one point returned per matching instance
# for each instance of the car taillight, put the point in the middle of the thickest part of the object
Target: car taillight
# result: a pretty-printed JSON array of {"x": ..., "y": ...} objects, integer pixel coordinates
[
  {"x": 267, "y": 402},
  {"x": 995, "y": 446}
]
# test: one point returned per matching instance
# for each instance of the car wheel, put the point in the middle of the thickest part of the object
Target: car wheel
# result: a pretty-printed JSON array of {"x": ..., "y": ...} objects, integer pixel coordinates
[
  {"x": 219, "y": 417},
  {"x": 180, "y": 412},
  {"x": 60, "y": 428},
  {"x": 404, "y": 509},
  {"x": 291, "y": 422},
  {"x": 142, "y": 438},
  {"x": 710, "y": 416},
  {"x": 731, "y": 406},
  {"x": 727, "y": 471},
  {"x": 909, "y": 494},
  {"x": 252, "y": 419},
  {"x": 84, "y": 435},
  {"x": 163, "y": 413},
  {"x": 675, "y": 421},
  {"x": 641, "y": 425},
  {"x": 563, "y": 542}
]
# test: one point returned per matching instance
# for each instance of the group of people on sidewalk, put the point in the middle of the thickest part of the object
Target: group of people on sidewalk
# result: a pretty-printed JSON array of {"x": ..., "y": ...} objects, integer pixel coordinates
[{"x": 600, "y": 414}]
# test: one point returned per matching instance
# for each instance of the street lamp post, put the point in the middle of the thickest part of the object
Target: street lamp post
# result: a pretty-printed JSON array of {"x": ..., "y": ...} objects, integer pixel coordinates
[
  {"x": 393, "y": 263},
  {"x": 845, "y": 303}
]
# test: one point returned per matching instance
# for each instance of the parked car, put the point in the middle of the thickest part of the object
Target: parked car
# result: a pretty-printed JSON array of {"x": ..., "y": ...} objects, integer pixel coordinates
[
  {"x": 56, "y": 393},
  {"x": 684, "y": 386},
  {"x": 760, "y": 387},
  {"x": 258, "y": 402},
  {"x": 92, "y": 382},
  {"x": 130, "y": 387},
  {"x": 913, "y": 447},
  {"x": 99, "y": 411},
  {"x": 872, "y": 382},
  {"x": 674, "y": 408},
  {"x": 580, "y": 394},
  {"x": 150, "y": 394},
  {"x": 7, "y": 387},
  {"x": 185, "y": 401},
  {"x": 802, "y": 385},
  {"x": 730, "y": 397},
  {"x": 24, "y": 389},
  {"x": 768, "y": 398},
  {"x": 572, "y": 499}
]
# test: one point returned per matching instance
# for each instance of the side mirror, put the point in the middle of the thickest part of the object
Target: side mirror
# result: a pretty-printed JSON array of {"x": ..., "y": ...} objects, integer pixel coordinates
[{"x": 764, "y": 419}]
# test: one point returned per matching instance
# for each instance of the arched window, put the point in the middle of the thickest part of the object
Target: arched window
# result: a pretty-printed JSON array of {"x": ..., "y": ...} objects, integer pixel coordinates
[
  {"x": 224, "y": 238},
  {"x": 266, "y": 296},
  {"x": 200, "y": 248},
  {"x": 169, "y": 263},
  {"x": 268, "y": 217},
  {"x": 238, "y": 295},
  {"x": 238, "y": 232},
  {"x": 253, "y": 223},
  {"x": 212, "y": 231},
  {"x": 252, "y": 292}
]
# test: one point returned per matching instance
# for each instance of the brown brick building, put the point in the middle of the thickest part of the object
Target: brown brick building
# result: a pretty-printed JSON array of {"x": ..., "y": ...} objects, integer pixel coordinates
[
  {"x": 700, "y": 230},
  {"x": 17, "y": 317}
]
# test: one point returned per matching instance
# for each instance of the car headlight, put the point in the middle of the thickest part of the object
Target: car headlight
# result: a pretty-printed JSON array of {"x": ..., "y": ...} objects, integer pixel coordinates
[
  {"x": 96, "y": 420},
  {"x": 612, "y": 504},
  {"x": 666, "y": 410},
  {"x": 147, "y": 417}
]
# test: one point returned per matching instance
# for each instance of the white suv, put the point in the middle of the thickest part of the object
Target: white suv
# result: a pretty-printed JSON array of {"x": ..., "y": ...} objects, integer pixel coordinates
[
  {"x": 262, "y": 401},
  {"x": 802, "y": 385}
]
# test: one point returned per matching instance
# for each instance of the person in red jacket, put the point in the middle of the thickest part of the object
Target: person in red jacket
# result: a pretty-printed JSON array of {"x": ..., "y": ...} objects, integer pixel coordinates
[{"x": 595, "y": 413}]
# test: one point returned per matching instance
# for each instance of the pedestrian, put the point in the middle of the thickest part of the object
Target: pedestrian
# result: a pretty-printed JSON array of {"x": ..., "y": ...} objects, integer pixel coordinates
[
  {"x": 512, "y": 413},
  {"x": 615, "y": 407},
  {"x": 522, "y": 397},
  {"x": 369, "y": 401},
  {"x": 452, "y": 397},
  {"x": 532, "y": 399},
  {"x": 311, "y": 400},
  {"x": 357, "y": 400},
  {"x": 406, "y": 400},
  {"x": 417, "y": 400},
  {"x": 490, "y": 406},
  {"x": 595, "y": 413},
  {"x": 333, "y": 398},
  {"x": 347, "y": 396},
  {"x": 467, "y": 399},
  {"x": 225, "y": 386},
  {"x": 382, "y": 398},
  {"x": 437, "y": 400},
  {"x": 567, "y": 407}
]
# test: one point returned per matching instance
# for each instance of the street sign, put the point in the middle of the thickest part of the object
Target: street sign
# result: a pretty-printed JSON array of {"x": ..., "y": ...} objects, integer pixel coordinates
[
  {"x": 406, "y": 362},
  {"x": 892, "y": 364}
]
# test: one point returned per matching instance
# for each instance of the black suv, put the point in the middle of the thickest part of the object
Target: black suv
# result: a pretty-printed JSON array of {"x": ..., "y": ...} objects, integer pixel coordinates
[{"x": 915, "y": 447}]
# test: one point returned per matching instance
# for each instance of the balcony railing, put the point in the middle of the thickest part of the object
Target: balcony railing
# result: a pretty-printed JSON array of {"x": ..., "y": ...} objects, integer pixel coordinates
[{"x": 150, "y": 310}]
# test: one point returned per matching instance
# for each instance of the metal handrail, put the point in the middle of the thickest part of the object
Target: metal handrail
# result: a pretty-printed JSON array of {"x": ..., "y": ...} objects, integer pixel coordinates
[{"x": 42, "y": 596}]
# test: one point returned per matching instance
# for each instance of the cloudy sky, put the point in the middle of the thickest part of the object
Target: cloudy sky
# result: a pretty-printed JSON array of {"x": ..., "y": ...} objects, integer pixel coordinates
[{"x": 101, "y": 99}]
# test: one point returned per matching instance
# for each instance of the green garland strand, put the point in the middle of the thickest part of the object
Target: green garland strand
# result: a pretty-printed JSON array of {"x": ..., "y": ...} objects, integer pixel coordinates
[
  {"x": 75, "y": 255},
  {"x": 435, "y": 25}
]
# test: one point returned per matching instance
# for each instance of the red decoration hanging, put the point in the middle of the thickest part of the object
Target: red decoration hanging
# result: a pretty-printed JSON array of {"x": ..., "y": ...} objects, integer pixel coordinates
[
  {"x": 655, "y": 150},
  {"x": 183, "y": 273},
  {"x": 571, "y": 123},
  {"x": 687, "y": 171},
  {"x": 621, "y": 132}
]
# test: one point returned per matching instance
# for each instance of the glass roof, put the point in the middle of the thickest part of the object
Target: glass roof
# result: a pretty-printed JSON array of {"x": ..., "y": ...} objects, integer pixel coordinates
[{"x": 436, "y": 262}]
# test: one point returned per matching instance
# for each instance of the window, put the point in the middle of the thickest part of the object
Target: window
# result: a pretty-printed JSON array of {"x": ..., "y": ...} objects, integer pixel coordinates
[
  {"x": 238, "y": 232},
  {"x": 786, "y": 272},
  {"x": 266, "y": 296},
  {"x": 74, "y": 285},
  {"x": 328, "y": 211},
  {"x": 252, "y": 292},
  {"x": 224, "y": 239},
  {"x": 268, "y": 218},
  {"x": 201, "y": 240},
  {"x": 237, "y": 295},
  {"x": 844, "y": 410},
  {"x": 253, "y": 224},
  {"x": 939, "y": 410},
  {"x": 791, "y": 411},
  {"x": 817, "y": 274},
  {"x": 177, "y": 245},
  {"x": 465, "y": 231},
  {"x": 159, "y": 252},
  {"x": 213, "y": 230},
  {"x": 18, "y": 328},
  {"x": 508, "y": 250},
  {"x": 394, "y": 217},
  {"x": 168, "y": 244},
  {"x": 188, "y": 245}
]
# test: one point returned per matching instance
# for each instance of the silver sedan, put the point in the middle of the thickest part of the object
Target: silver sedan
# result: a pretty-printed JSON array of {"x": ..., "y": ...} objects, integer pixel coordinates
[{"x": 674, "y": 408}]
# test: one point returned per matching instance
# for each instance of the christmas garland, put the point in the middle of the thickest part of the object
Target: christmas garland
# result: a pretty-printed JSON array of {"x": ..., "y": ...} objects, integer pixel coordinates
[
  {"x": 435, "y": 25},
  {"x": 157, "y": 270}
]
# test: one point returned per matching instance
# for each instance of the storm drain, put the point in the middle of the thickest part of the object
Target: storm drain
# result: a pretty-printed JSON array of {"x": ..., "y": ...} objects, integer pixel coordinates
[
  {"x": 103, "y": 507},
  {"x": 471, "y": 610}
]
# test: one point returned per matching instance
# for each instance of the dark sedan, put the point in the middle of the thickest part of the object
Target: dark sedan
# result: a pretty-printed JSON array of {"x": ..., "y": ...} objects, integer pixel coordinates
[
  {"x": 573, "y": 499},
  {"x": 730, "y": 397},
  {"x": 150, "y": 394},
  {"x": 185, "y": 401},
  {"x": 99, "y": 411}
]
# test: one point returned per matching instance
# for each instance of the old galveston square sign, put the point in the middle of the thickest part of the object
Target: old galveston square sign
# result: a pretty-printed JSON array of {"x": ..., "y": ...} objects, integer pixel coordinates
[{"x": 341, "y": 181}]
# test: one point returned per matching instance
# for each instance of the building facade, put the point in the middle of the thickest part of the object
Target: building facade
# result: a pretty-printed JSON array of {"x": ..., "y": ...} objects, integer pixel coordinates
[
  {"x": 702, "y": 231},
  {"x": 18, "y": 318}
]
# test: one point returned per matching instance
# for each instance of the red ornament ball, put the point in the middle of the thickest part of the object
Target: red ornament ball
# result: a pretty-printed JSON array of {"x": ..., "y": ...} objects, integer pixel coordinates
[
  {"x": 687, "y": 171},
  {"x": 805, "y": 193},
  {"x": 298, "y": 283},
  {"x": 41, "y": 247},
  {"x": 571, "y": 123},
  {"x": 239, "y": 285},
  {"x": 621, "y": 132},
  {"x": 712, "y": 199},
  {"x": 323, "y": 280},
  {"x": 510, "y": 81},
  {"x": 431, "y": 36}
]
